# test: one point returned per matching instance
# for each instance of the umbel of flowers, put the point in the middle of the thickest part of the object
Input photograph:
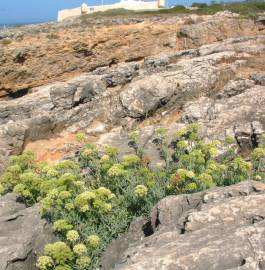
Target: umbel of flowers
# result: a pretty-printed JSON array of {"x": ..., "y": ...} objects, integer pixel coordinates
[{"x": 92, "y": 201}]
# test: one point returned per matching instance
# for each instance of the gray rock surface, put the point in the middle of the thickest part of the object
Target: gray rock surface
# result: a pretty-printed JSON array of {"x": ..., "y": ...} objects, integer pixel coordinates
[
  {"x": 259, "y": 78},
  {"x": 195, "y": 33},
  {"x": 126, "y": 93},
  {"x": 219, "y": 229},
  {"x": 23, "y": 234},
  {"x": 146, "y": 95},
  {"x": 241, "y": 116}
]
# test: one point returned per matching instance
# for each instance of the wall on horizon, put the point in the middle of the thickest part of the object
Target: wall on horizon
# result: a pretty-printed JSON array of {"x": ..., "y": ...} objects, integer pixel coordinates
[{"x": 130, "y": 5}]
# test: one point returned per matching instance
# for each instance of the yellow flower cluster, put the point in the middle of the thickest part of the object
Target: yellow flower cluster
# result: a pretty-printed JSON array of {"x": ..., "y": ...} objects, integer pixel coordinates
[
  {"x": 98, "y": 199},
  {"x": 140, "y": 191},
  {"x": 130, "y": 160},
  {"x": 72, "y": 236},
  {"x": 111, "y": 151},
  {"x": 45, "y": 263},
  {"x": 59, "y": 252},
  {"x": 80, "y": 249},
  {"x": 83, "y": 262},
  {"x": 93, "y": 241},
  {"x": 117, "y": 170},
  {"x": 183, "y": 173}
]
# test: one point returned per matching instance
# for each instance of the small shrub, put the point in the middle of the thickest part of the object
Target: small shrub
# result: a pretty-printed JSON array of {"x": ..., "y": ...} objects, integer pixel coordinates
[{"x": 89, "y": 210}]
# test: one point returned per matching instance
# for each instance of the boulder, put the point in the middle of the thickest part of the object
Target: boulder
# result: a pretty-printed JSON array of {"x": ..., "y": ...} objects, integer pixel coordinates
[
  {"x": 23, "y": 234},
  {"x": 259, "y": 78},
  {"x": 219, "y": 229},
  {"x": 146, "y": 95}
]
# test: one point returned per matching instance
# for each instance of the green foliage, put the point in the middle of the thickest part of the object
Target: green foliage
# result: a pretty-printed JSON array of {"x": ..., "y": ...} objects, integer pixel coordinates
[
  {"x": 59, "y": 252},
  {"x": 93, "y": 201},
  {"x": 248, "y": 9},
  {"x": 199, "y": 5}
]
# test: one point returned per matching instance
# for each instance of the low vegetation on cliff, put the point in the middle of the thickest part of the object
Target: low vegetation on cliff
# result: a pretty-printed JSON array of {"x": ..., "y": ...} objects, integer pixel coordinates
[
  {"x": 246, "y": 9},
  {"x": 92, "y": 201}
]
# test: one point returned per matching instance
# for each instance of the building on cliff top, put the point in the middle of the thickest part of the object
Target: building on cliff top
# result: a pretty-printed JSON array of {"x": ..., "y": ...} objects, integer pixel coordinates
[{"x": 125, "y": 4}]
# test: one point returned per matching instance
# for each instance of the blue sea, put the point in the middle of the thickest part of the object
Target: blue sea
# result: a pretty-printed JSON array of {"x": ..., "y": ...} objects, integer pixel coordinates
[{"x": 7, "y": 25}]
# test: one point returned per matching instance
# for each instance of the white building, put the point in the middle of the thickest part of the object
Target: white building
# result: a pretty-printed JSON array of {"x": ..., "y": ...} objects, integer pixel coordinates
[{"x": 125, "y": 4}]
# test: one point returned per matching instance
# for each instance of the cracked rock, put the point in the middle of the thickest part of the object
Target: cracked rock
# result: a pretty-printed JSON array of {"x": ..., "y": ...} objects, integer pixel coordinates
[{"x": 220, "y": 229}]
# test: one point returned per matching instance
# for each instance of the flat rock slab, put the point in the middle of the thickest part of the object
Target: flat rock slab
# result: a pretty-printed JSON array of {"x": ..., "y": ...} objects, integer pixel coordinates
[{"x": 219, "y": 229}]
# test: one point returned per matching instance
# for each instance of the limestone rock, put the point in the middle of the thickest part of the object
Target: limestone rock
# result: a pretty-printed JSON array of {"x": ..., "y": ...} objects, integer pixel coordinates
[
  {"x": 124, "y": 94},
  {"x": 146, "y": 95},
  {"x": 235, "y": 116},
  {"x": 218, "y": 229},
  {"x": 60, "y": 51},
  {"x": 23, "y": 234},
  {"x": 233, "y": 88},
  {"x": 213, "y": 30},
  {"x": 259, "y": 78}
]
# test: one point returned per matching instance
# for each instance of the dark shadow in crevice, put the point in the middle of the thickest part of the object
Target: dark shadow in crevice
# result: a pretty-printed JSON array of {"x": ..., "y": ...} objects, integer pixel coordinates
[
  {"x": 148, "y": 229},
  {"x": 19, "y": 93}
]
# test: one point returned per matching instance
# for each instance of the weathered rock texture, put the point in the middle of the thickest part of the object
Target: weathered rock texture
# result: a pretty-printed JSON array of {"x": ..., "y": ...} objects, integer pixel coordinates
[
  {"x": 219, "y": 229},
  {"x": 23, "y": 234},
  {"x": 110, "y": 76},
  {"x": 39, "y": 55},
  {"x": 128, "y": 93}
]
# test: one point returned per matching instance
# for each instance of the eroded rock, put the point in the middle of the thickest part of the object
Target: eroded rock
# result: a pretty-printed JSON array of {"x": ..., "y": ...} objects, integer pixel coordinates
[
  {"x": 23, "y": 234},
  {"x": 219, "y": 229}
]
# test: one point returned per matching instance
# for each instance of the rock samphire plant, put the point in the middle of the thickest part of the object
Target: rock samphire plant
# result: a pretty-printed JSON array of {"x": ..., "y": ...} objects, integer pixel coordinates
[{"x": 93, "y": 201}]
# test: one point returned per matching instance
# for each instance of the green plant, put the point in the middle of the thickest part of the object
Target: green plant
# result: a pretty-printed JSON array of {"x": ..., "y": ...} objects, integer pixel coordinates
[{"x": 88, "y": 210}]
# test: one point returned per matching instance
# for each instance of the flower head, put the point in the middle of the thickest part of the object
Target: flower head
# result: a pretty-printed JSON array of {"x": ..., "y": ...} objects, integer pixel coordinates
[
  {"x": 45, "y": 262},
  {"x": 191, "y": 187},
  {"x": 182, "y": 145},
  {"x": 82, "y": 200},
  {"x": 69, "y": 206},
  {"x": 130, "y": 160},
  {"x": 116, "y": 170},
  {"x": 105, "y": 158},
  {"x": 93, "y": 241},
  {"x": 72, "y": 236},
  {"x": 64, "y": 195},
  {"x": 80, "y": 249},
  {"x": 83, "y": 262},
  {"x": 140, "y": 191},
  {"x": 52, "y": 173},
  {"x": 258, "y": 178},
  {"x": 111, "y": 151},
  {"x": 59, "y": 252}
]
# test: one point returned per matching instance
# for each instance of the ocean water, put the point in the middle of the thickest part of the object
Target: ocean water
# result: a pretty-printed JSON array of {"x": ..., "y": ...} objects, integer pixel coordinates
[{"x": 7, "y": 25}]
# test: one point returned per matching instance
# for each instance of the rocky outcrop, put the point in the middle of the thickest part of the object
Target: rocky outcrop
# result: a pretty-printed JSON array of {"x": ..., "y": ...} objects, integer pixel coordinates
[
  {"x": 218, "y": 229},
  {"x": 128, "y": 93},
  {"x": 23, "y": 234},
  {"x": 195, "y": 35},
  {"x": 31, "y": 56},
  {"x": 239, "y": 115}
]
